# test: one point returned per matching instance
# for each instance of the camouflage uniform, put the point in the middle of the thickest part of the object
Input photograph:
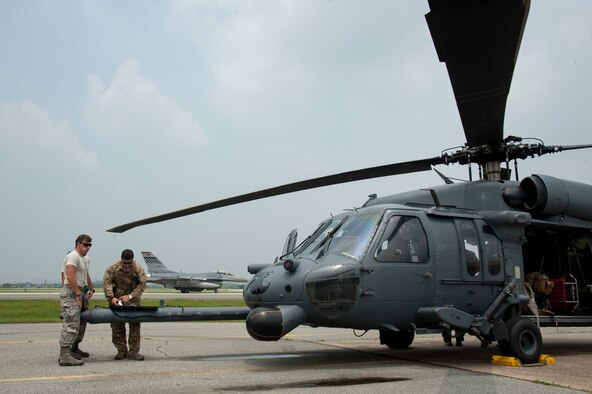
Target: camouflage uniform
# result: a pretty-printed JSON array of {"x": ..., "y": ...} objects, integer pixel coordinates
[
  {"x": 76, "y": 283},
  {"x": 73, "y": 329},
  {"x": 120, "y": 280}
]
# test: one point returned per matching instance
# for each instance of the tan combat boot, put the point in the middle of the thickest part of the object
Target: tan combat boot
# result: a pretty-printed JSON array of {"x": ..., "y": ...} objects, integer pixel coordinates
[
  {"x": 135, "y": 356},
  {"x": 66, "y": 359},
  {"x": 78, "y": 352}
]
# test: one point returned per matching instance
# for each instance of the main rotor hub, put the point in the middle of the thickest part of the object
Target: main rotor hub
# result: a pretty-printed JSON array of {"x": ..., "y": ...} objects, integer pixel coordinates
[{"x": 490, "y": 156}]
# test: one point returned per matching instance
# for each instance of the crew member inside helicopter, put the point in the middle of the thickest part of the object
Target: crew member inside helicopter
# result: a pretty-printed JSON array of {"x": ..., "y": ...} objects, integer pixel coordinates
[
  {"x": 406, "y": 241},
  {"x": 471, "y": 246}
]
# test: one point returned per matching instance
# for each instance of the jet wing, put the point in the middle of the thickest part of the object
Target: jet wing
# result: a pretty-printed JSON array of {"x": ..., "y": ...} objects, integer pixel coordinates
[
  {"x": 160, "y": 280},
  {"x": 193, "y": 283},
  {"x": 191, "y": 278}
]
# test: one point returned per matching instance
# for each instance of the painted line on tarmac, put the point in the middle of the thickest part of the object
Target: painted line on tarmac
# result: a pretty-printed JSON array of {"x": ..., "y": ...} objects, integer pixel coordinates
[{"x": 190, "y": 372}]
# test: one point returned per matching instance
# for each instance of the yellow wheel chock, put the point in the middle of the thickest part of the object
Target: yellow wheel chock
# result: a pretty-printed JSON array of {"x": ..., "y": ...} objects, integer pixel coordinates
[{"x": 544, "y": 359}]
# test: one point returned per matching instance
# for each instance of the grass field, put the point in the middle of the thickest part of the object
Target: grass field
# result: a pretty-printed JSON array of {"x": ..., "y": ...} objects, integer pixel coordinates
[
  {"x": 48, "y": 310},
  {"x": 57, "y": 290}
]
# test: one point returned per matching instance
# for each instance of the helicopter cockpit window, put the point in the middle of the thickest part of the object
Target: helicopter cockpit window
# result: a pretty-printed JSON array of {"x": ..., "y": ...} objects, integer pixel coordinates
[
  {"x": 471, "y": 247},
  {"x": 353, "y": 237},
  {"x": 318, "y": 237},
  {"x": 404, "y": 241},
  {"x": 313, "y": 240}
]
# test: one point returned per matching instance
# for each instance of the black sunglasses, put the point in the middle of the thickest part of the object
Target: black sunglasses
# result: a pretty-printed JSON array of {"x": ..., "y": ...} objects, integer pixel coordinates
[{"x": 87, "y": 244}]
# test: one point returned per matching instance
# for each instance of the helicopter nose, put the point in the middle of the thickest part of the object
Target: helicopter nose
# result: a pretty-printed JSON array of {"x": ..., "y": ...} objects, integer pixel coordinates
[
  {"x": 270, "y": 324},
  {"x": 333, "y": 289},
  {"x": 257, "y": 286}
]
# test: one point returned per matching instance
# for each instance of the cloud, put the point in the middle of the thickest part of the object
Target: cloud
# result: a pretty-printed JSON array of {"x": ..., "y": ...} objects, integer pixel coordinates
[
  {"x": 269, "y": 65},
  {"x": 132, "y": 108},
  {"x": 29, "y": 136}
]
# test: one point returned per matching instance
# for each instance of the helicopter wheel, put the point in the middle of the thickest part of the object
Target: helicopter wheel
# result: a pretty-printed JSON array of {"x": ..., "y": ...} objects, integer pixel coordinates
[
  {"x": 397, "y": 339},
  {"x": 524, "y": 342}
]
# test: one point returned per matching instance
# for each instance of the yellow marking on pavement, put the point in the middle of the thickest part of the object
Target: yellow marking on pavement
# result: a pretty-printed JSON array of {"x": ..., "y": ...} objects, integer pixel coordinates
[{"x": 189, "y": 372}]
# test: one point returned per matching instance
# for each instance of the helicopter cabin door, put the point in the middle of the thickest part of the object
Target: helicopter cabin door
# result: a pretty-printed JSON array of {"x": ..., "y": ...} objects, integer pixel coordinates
[
  {"x": 397, "y": 270},
  {"x": 481, "y": 267}
]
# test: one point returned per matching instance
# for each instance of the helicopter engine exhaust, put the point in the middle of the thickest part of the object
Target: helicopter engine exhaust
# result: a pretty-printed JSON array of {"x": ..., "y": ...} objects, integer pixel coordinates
[
  {"x": 270, "y": 324},
  {"x": 546, "y": 195}
]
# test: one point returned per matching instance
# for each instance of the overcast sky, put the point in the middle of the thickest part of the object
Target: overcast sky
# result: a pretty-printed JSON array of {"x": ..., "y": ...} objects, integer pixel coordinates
[{"x": 114, "y": 111}]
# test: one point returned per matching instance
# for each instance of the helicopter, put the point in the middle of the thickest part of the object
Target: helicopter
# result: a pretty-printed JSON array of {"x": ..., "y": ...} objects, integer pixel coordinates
[{"x": 494, "y": 258}]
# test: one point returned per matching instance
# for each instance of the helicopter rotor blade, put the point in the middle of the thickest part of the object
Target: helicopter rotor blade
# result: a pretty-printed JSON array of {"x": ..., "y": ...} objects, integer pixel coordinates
[
  {"x": 479, "y": 42},
  {"x": 561, "y": 148},
  {"x": 344, "y": 177}
]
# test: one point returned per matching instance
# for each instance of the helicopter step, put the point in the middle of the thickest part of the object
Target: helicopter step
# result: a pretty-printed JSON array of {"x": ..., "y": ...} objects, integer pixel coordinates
[{"x": 448, "y": 316}]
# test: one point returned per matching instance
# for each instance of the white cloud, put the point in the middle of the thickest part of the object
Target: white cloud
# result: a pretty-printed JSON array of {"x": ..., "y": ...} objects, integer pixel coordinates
[
  {"x": 270, "y": 65},
  {"x": 28, "y": 134},
  {"x": 257, "y": 63},
  {"x": 132, "y": 107}
]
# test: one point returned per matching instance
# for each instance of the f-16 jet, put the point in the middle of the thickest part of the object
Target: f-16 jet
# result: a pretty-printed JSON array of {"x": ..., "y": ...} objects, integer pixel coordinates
[{"x": 186, "y": 282}]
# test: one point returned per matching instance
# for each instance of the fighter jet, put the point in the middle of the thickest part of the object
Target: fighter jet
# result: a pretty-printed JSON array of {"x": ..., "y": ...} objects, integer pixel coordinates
[{"x": 186, "y": 282}]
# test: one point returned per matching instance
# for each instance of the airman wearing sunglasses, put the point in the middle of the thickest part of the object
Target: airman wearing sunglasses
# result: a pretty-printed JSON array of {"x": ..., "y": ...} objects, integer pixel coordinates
[{"x": 76, "y": 291}]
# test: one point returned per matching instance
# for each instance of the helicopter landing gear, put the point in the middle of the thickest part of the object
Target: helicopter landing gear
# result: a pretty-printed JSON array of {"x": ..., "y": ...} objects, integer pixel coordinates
[
  {"x": 396, "y": 339},
  {"x": 524, "y": 342}
]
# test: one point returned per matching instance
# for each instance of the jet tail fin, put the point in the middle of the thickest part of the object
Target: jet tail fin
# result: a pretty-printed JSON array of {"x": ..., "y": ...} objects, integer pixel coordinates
[{"x": 153, "y": 264}]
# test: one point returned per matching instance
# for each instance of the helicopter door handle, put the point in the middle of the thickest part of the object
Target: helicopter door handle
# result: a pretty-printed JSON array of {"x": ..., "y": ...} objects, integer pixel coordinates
[{"x": 427, "y": 275}]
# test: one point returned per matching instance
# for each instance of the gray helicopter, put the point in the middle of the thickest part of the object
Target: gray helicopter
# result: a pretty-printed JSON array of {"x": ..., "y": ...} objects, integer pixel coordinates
[{"x": 494, "y": 258}]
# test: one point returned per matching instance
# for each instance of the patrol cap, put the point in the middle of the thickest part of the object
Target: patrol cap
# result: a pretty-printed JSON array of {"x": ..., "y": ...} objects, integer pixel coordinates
[{"x": 127, "y": 254}]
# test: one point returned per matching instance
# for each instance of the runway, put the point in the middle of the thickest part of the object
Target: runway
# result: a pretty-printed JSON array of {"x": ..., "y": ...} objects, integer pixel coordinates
[
  {"x": 99, "y": 295},
  {"x": 221, "y": 357}
]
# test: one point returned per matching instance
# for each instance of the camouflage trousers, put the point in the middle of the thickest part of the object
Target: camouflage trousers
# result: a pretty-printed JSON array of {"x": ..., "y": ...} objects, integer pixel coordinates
[
  {"x": 72, "y": 328},
  {"x": 118, "y": 337}
]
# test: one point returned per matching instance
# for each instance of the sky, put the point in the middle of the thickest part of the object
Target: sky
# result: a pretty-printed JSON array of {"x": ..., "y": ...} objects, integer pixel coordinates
[{"x": 115, "y": 111}]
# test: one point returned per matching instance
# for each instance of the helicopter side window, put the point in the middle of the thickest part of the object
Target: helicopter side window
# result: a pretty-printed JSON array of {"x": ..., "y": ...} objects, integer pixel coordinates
[
  {"x": 471, "y": 247},
  {"x": 403, "y": 241},
  {"x": 493, "y": 251}
]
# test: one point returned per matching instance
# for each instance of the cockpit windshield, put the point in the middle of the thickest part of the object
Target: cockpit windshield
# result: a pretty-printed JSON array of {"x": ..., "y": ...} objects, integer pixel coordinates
[
  {"x": 312, "y": 243},
  {"x": 352, "y": 238}
]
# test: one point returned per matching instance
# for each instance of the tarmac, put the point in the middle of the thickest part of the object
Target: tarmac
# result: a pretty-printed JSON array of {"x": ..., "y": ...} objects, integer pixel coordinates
[{"x": 191, "y": 357}]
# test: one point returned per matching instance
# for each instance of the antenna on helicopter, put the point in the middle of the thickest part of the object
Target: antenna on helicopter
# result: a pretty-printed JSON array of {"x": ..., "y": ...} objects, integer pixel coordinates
[{"x": 446, "y": 180}]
